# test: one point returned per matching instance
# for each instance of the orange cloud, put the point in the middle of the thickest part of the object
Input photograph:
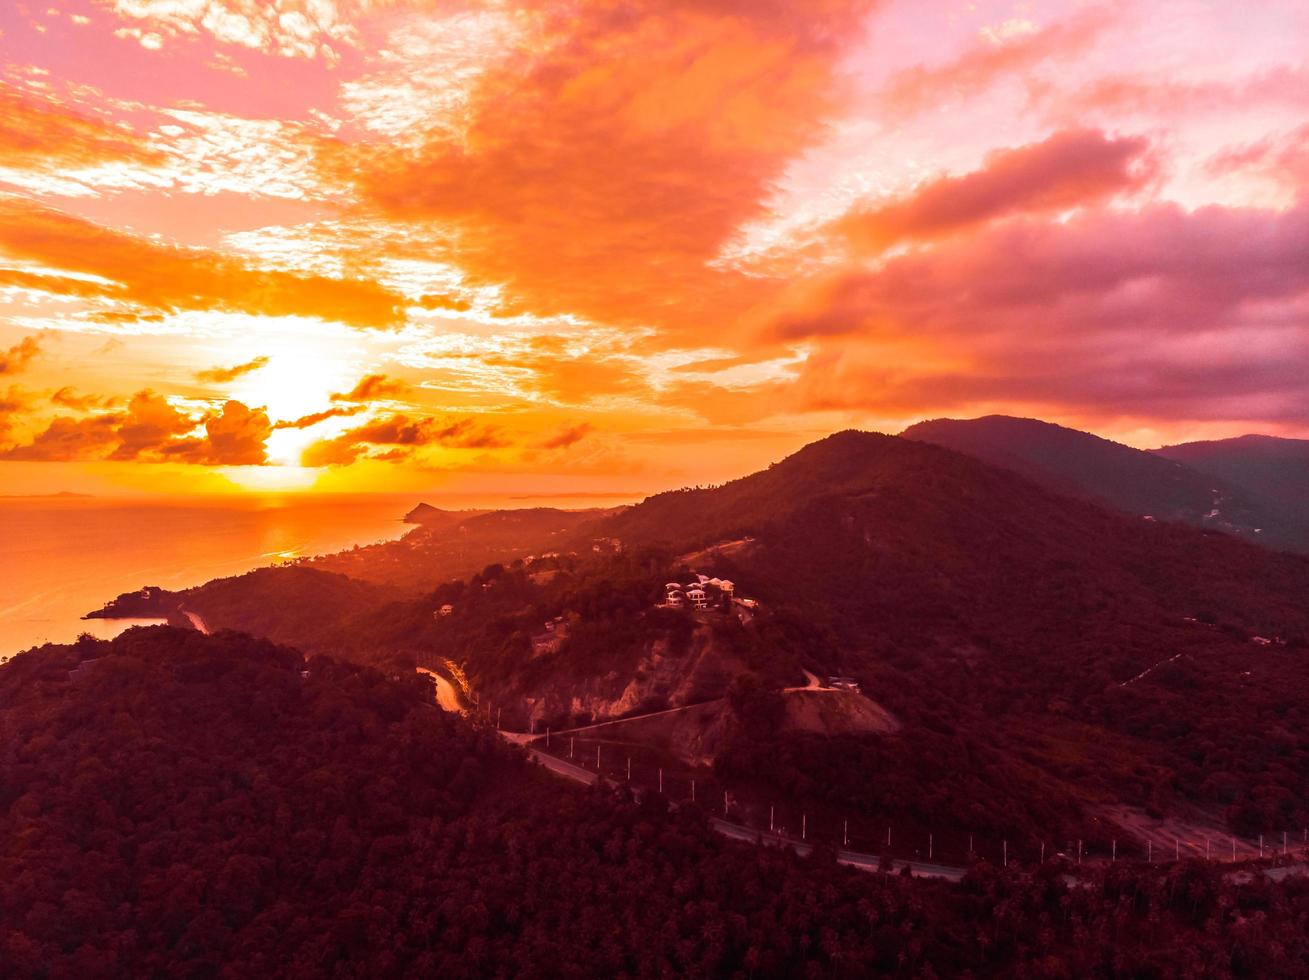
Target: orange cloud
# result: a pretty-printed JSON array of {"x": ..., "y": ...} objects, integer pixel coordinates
[
  {"x": 66, "y": 439},
  {"x": 37, "y": 133},
  {"x": 220, "y": 375},
  {"x": 604, "y": 163},
  {"x": 235, "y": 436},
  {"x": 149, "y": 424},
  {"x": 66, "y": 397},
  {"x": 150, "y": 429},
  {"x": 16, "y": 358},
  {"x": 370, "y": 387},
  {"x": 12, "y": 402},
  {"x": 567, "y": 437},
  {"x": 397, "y": 436},
  {"x": 313, "y": 418},
  {"x": 167, "y": 278},
  {"x": 1068, "y": 169}
]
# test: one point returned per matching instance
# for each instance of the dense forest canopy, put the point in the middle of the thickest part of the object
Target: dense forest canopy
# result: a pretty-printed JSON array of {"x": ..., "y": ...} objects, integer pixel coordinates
[{"x": 173, "y": 804}]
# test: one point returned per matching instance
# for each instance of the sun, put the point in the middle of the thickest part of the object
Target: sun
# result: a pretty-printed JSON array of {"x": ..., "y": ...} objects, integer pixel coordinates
[
  {"x": 295, "y": 383},
  {"x": 298, "y": 380}
]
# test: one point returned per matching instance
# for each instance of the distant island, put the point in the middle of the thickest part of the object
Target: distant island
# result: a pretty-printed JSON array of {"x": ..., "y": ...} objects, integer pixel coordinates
[{"x": 61, "y": 495}]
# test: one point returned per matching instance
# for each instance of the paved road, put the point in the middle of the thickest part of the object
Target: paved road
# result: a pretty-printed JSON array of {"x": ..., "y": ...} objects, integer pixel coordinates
[
  {"x": 566, "y": 769},
  {"x": 445, "y": 691},
  {"x": 521, "y": 736},
  {"x": 736, "y": 831},
  {"x": 197, "y": 621},
  {"x": 812, "y": 683}
]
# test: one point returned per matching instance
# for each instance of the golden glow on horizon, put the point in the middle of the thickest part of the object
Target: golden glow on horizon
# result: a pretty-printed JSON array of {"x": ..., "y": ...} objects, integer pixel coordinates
[{"x": 276, "y": 478}]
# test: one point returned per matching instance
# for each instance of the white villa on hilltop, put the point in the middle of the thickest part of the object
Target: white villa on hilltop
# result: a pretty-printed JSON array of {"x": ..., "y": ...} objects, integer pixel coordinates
[{"x": 698, "y": 594}]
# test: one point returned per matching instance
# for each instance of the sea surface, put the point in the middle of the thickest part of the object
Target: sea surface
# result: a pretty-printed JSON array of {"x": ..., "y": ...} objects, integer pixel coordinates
[{"x": 63, "y": 557}]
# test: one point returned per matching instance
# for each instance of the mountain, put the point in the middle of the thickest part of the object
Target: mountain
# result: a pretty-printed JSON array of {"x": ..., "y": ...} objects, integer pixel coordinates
[
  {"x": 1001, "y": 621},
  {"x": 1130, "y": 480},
  {"x": 1268, "y": 468},
  {"x": 179, "y": 805},
  {"x": 1041, "y": 668}
]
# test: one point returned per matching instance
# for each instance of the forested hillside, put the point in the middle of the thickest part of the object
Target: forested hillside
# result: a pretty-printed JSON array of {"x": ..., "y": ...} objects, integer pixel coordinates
[
  {"x": 1045, "y": 658},
  {"x": 1272, "y": 470},
  {"x": 1006, "y": 623},
  {"x": 173, "y": 804},
  {"x": 450, "y": 545},
  {"x": 1133, "y": 481}
]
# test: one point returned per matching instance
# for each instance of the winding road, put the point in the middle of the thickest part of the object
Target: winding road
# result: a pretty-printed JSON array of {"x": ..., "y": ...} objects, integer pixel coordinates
[
  {"x": 737, "y": 831},
  {"x": 445, "y": 692}
]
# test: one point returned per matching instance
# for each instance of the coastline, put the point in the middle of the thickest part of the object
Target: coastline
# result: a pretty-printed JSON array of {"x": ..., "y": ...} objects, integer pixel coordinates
[{"x": 69, "y": 557}]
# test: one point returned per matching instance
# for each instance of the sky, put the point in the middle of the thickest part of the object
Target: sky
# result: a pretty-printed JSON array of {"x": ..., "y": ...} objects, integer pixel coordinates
[{"x": 593, "y": 249}]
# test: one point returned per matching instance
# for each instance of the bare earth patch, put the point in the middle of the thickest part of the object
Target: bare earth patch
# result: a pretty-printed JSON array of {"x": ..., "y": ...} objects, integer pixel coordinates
[{"x": 830, "y": 712}]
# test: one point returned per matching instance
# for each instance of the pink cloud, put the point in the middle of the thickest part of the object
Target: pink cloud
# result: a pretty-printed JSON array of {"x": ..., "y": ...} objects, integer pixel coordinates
[
  {"x": 917, "y": 89},
  {"x": 1068, "y": 169},
  {"x": 1179, "y": 314}
]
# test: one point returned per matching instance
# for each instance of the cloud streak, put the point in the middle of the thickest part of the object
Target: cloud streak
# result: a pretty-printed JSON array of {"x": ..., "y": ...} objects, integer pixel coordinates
[
  {"x": 151, "y": 277},
  {"x": 219, "y": 375}
]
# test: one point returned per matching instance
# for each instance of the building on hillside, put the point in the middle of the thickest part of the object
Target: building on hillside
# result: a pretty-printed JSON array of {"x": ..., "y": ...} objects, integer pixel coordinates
[
  {"x": 80, "y": 672},
  {"x": 674, "y": 597},
  {"x": 703, "y": 593},
  {"x": 445, "y": 610},
  {"x": 556, "y": 631},
  {"x": 843, "y": 684}
]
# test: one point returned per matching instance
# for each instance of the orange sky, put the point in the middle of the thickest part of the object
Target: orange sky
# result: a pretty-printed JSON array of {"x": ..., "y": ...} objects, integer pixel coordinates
[{"x": 557, "y": 247}]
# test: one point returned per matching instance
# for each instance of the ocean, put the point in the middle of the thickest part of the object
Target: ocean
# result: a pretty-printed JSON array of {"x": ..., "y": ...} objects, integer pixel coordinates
[{"x": 63, "y": 557}]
